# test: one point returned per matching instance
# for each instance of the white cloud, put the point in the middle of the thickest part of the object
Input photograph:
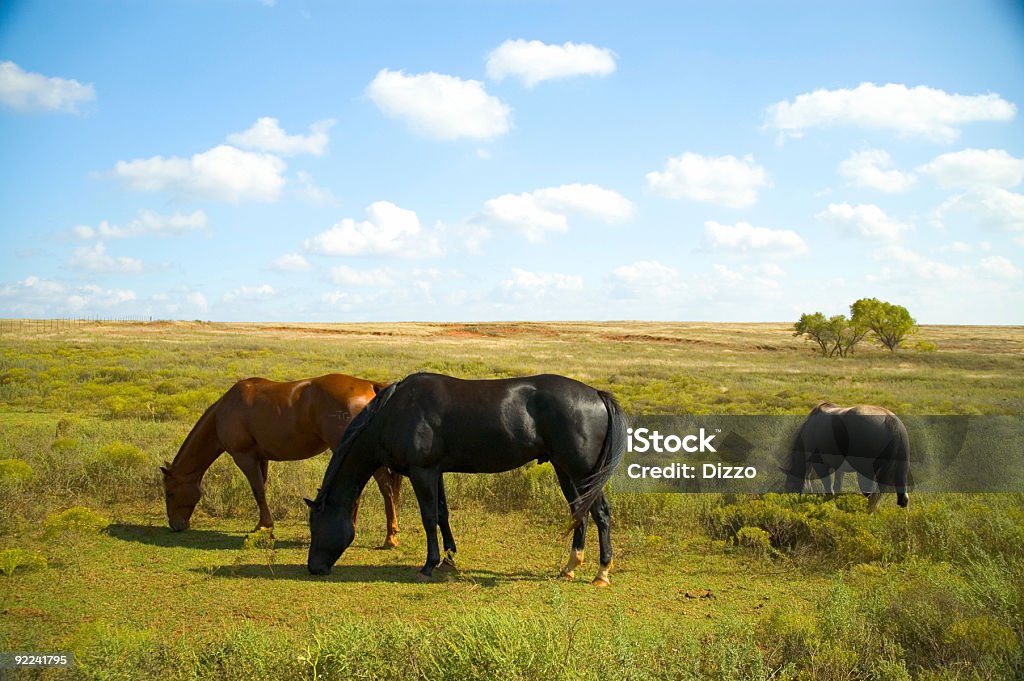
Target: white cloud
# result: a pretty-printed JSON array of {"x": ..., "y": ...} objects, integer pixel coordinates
[
  {"x": 990, "y": 208},
  {"x": 871, "y": 168},
  {"x": 95, "y": 259},
  {"x": 920, "y": 110},
  {"x": 723, "y": 180},
  {"x": 1001, "y": 267},
  {"x": 547, "y": 210},
  {"x": 865, "y": 220},
  {"x": 223, "y": 173},
  {"x": 900, "y": 262},
  {"x": 94, "y": 296},
  {"x": 290, "y": 262},
  {"x": 440, "y": 106},
  {"x": 145, "y": 222},
  {"x": 310, "y": 191},
  {"x": 972, "y": 168},
  {"x": 649, "y": 278},
  {"x": 38, "y": 296},
  {"x": 746, "y": 238},
  {"x": 526, "y": 285},
  {"x": 388, "y": 230},
  {"x": 343, "y": 300},
  {"x": 261, "y": 292},
  {"x": 533, "y": 61},
  {"x": 266, "y": 134},
  {"x": 381, "y": 277},
  {"x": 196, "y": 299},
  {"x": 27, "y": 92}
]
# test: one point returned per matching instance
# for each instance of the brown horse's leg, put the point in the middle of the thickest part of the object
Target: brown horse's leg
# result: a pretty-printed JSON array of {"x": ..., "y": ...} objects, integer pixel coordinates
[
  {"x": 251, "y": 466},
  {"x": 389, "y": 483}
]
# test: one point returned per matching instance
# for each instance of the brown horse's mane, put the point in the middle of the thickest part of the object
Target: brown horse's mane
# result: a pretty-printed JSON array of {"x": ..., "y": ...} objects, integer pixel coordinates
[
  {"x": 357, "y": 426},
  {"x": 200, "y": 427}
]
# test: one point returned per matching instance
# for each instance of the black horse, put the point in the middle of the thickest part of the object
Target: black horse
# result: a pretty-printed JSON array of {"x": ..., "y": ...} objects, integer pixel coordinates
[
  {"x": 869, "y": 440},
  {"x": 428, "y": 424}
]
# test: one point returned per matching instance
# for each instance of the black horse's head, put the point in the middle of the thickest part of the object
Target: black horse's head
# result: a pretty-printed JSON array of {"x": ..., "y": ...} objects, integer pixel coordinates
[{"x": 331, "y": 532}]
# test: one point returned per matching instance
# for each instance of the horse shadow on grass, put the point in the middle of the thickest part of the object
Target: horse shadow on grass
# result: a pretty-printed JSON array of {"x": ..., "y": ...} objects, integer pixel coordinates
[
  {"x": 203, "y": 540},
  {"x": 363, "y": 574}
]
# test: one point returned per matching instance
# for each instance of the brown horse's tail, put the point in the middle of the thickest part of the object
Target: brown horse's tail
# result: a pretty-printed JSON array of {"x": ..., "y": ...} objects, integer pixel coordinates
[{"x": 612, "y": 449}]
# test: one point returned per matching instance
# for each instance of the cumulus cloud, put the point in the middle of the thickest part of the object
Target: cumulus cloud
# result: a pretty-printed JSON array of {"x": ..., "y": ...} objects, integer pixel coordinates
[
  {"x": 972, "y": 168},
  {"x": 745, "y": 238},
  {"x": 649, "y": 278},
  {"x": 290, "y": 262},
  {"x": 38, "y": 296},
  {"x": 899, "y": 262},
  {"x": 527, "y": 285},
  {"x": 722, "y": 180},
  {"x": 380, "y": 277},
  {"x": 440, "y": 106},
  {"x": 387, "y": 230},
  {"x": 547, "y": 210},
  {"x": 865, "y": 220},
  {"x": 533, "y": 61},
  {"x": 96, "y": 259},
  {"x": 990, "y": 208},
  {"x": 1000, "y": 267},
  {"x": 248, "y": 293},
  {"x": 223, "y": 173},
  {"x": 146, "y": 222},
  {"x": 27, "y": 92},
  {"x": 266, "y": 134},
  {"x": 920, "y": 111},
  {"x": 873, "y": 168}
]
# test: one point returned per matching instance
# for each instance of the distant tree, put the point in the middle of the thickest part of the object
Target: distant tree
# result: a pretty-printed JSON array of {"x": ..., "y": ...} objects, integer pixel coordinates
[
  {"x": 889, "y": 323},
  {"x": 834, "y": 335},
  {"x": 844, "y": 334},
  {"x": 816, "y": 328}
]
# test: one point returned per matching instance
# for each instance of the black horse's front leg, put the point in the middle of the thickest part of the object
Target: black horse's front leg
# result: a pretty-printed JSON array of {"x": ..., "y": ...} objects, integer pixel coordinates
[{"x": 425, "y": 484}]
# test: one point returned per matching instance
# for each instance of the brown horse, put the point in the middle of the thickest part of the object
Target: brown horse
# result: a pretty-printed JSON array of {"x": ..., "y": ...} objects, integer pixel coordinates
[{"x": 257, "y": 421}]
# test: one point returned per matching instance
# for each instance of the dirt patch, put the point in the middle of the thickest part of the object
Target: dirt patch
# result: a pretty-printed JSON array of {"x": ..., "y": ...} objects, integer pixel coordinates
[
  {"x": 496, "y": 330},
  {"x": 646, "y": 338}
]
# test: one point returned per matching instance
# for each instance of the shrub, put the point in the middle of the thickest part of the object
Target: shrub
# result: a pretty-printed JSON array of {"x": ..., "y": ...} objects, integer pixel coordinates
[
  {"x": 14, "y": 472},
  {"x": 75, "y": 520},
  {"x": 20, "y": 559},
  {"x": 756, "y": 540}
]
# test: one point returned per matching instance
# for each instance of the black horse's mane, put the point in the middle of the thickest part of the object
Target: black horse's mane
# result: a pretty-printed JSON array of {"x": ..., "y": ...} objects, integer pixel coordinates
[{"x": 357, "y": 426}]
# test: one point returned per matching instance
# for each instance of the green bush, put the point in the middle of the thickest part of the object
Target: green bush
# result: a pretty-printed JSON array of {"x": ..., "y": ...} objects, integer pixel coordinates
[
  {"x": 20, "y": 559},
  {"x": 14, "y": 472},
  {"x": 76, "y": 520}
]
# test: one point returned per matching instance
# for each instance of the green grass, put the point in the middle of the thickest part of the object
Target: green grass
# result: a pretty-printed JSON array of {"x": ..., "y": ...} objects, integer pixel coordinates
[{"x": 703, "y": 586}]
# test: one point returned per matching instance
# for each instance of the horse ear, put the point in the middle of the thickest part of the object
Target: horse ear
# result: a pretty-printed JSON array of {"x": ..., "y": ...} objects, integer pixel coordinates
[{"x": 311, "y": 504}]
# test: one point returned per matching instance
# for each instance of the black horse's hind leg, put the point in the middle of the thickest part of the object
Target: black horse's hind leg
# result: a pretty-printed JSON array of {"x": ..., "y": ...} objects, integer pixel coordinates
[
  {"x": 602, "y": 514},
  {"x": 446, "y": 530},
  {"x": 579, "y": 535},
  {"x": 425, "y": 484}
]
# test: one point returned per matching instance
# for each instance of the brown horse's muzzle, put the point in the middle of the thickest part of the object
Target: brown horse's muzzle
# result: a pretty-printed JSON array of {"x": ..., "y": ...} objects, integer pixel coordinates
[{"x": 178, "y": 524}]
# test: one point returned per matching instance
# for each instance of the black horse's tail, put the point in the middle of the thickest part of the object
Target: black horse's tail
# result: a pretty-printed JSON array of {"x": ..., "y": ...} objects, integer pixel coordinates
[
  {"x": 358, "y": 425},
  {"x": 612, "y": 449}
]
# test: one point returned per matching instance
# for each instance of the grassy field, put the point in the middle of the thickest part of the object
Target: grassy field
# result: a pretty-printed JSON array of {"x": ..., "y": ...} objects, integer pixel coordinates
[{"x": 703, "y": 587}]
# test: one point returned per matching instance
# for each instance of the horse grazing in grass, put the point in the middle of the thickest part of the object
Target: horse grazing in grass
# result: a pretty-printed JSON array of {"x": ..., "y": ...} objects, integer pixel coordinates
[
  {"x": 427, "y": 425},
  {"x": 869, "y": 440},
  {"x": 257, "y": 421}
]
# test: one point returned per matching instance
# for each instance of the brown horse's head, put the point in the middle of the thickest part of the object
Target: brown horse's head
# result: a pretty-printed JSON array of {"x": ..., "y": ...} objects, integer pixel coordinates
[{"x": 181, "y": 495}]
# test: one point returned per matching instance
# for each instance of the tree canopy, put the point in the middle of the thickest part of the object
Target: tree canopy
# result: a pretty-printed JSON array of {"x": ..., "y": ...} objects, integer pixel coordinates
[{"x": 889, "y": 323}]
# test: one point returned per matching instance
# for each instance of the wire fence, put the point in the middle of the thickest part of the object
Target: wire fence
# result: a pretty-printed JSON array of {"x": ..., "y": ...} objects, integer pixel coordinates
[{"x": 58, "y": 325}]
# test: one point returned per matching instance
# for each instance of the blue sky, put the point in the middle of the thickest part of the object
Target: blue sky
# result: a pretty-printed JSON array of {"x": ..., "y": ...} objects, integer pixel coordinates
[{"x": 301, "y": 161}]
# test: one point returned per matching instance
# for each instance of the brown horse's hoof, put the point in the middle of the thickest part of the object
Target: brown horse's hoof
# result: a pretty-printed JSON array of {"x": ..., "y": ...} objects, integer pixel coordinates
[
  {"x": 269, "y": 528},
  {"x": 390, "y": 542},
  {"x": 423, "y": 579},
  {"x": 567, "y": 576},
  {"x": 601, "y": 581}
]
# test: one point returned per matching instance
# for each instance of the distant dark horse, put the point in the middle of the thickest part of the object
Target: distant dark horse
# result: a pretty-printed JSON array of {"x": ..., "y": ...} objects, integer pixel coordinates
[
  {"x": 428, "y": 424},
  {"x": 257, "y": 421},
  {"x": 869, "y": 440}
]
